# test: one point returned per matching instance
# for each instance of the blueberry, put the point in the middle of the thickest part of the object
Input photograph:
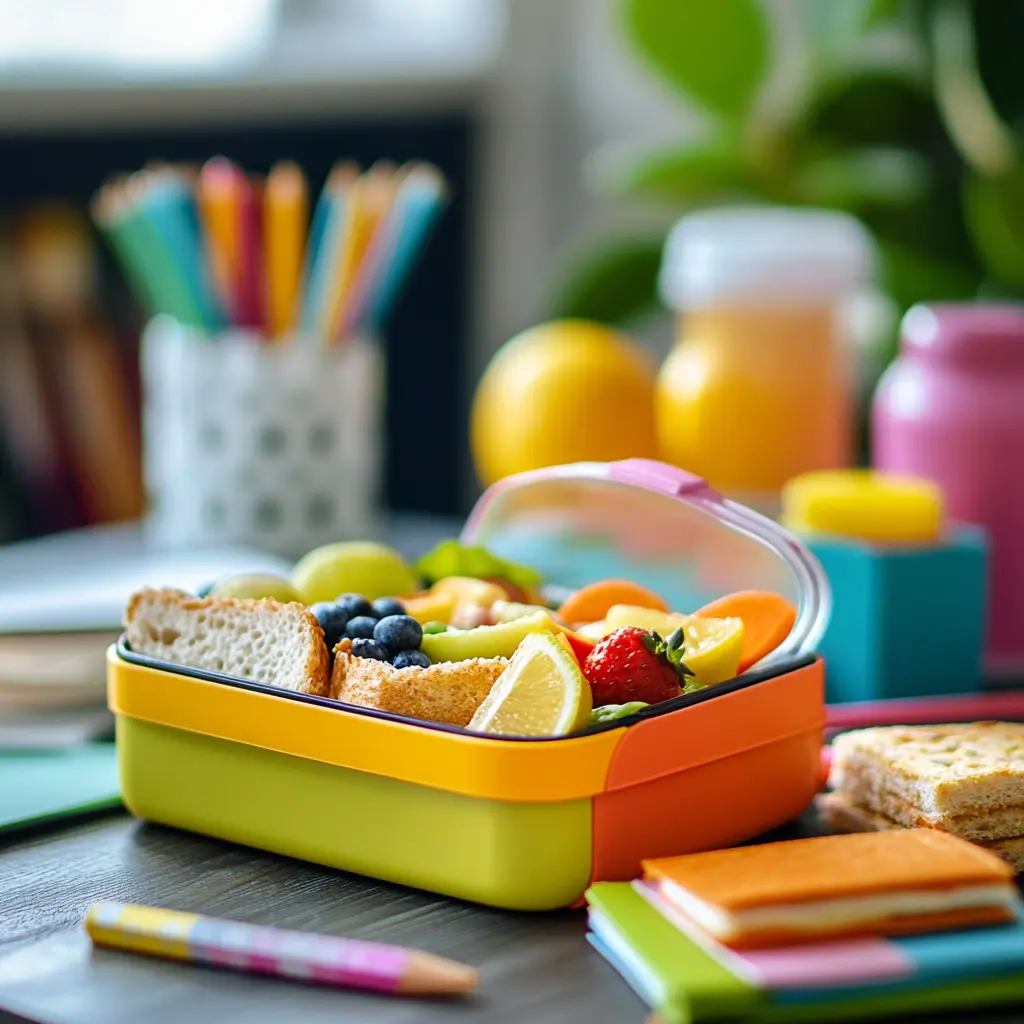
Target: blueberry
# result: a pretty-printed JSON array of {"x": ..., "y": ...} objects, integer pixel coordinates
[
  {"x": 356, "y": 605},
  {"x": 398, "y": 633},
  {"x": 410, "y": 659},
  {"x": 385, "y": 606},
  {"x": 333, "y": 619},
  {"x": 362, "y": 648},
  {"x": 360, "y": 628},
  {"x": 204, "y": 590}
]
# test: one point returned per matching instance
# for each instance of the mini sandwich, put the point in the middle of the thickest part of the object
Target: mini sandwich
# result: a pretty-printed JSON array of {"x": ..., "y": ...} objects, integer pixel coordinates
[
  {"x": 805, "y": 890},
  {"x": 967, "y": 780},
  {"x": 448, "y": 693}
]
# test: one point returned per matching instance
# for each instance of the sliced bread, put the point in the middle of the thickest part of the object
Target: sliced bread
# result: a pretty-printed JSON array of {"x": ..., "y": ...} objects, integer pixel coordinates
[
  {"x": 262, "y": 640},
  {"x": 931, "y": 775},
  {"x": 448, "y": 693}
]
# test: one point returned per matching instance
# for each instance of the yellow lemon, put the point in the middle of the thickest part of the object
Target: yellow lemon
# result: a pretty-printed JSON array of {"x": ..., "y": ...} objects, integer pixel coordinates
[
  {"x": 566, "y": 391},
  {"x": 713, "y": 649},
  {"x": 542, "y": 692}
]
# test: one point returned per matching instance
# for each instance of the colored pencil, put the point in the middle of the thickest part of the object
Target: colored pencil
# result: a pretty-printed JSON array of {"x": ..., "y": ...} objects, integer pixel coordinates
[
  {"x": 368, "y": 209},
  {"x": 285, "y": 209},
  {"x": 417, "y": 207},
  {"x": 157, "y": 255},
  {"x": 256, "y": 949},
  {"x": 327, "y": 255},
  {"x": 374, "y": 261},
  {"x": 108, "y": 211},
  {"x": 218, "y": 196},
  {"x": 340, "y": 172},
  {"x": 210, "y": 245},
  {"x": 170, "y": 205},
  {"x": 249, "y": 283}
]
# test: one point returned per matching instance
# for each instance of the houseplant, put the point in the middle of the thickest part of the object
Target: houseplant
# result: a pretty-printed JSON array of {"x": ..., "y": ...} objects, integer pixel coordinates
[{"x": 904, "y": 115}]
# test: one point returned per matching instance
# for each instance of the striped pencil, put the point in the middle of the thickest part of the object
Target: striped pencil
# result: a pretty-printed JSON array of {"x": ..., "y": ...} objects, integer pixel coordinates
[{"x": 256, "y": 949}]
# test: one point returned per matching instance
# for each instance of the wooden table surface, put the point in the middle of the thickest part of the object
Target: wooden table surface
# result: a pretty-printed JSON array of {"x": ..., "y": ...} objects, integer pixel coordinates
[{"x": 534, "y": 968}]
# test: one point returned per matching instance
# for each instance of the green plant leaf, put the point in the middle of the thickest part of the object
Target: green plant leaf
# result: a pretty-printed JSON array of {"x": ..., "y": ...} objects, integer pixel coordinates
[
  {"x": 998, "y": 30},
  {"x": 613, "y": 285},
  {"x": 872, "y": 107},
  {"x": 857, "y": 178},
  {"x": 911, "y": 275},
  {"x": 716, "y": 51},
  {"x": 832, "y": 23},
  {"x": 994, "y": 212},
  {"x": 690, "y": 172},
  {"x": 973, "y": 123}
]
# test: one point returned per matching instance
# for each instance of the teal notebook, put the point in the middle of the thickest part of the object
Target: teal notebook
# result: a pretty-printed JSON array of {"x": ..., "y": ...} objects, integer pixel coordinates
[
  {"x": 684, "y": 984},
  {"x": 40, "y": 787}
]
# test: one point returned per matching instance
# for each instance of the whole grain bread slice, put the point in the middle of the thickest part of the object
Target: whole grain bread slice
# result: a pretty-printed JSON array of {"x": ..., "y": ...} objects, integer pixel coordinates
[
  {"x": 932, "y": 774},
  {"x": 263, "y": 640},
  {"x": 448, "y": 693}
]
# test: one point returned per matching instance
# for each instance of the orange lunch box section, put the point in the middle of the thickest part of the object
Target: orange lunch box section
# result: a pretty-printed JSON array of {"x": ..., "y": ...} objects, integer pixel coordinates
[{"x": 523, "y": 824}]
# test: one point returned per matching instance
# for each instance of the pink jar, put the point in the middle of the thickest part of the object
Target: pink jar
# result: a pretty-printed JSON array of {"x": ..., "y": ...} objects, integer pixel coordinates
[{"x": 951, "y": 408}]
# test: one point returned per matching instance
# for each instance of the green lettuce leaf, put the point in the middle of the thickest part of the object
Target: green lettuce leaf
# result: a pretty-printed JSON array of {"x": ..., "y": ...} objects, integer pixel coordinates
[
  {"x": 612, "y": 712},
  {"x": 451, "y": 558}
]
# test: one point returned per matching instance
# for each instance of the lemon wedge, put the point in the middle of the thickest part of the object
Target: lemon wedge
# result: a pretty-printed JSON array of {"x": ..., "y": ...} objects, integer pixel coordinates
[
  {"x": 713, "y": 649},
  {"x": 542, "y": 692}
]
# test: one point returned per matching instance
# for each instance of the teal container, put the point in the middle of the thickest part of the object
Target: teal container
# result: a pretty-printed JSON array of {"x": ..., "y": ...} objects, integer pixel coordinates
[{"x": 907, "y": 621}]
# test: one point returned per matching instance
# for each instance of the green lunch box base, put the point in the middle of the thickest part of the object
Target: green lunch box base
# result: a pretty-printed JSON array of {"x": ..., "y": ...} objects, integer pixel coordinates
[{"x": 525, "y": 856}]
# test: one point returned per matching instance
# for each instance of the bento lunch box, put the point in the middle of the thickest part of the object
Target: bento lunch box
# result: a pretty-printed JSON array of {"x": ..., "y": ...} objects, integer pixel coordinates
[{"x": 523, "y": 824}]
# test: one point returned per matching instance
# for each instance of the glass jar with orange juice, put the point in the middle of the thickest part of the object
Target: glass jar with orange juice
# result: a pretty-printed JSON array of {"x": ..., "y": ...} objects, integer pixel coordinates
[{"x": 760, "y": 384}]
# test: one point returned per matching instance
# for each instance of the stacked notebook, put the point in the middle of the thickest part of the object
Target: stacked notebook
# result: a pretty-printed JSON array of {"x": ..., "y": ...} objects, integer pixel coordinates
[
  {"x": 891, "y": 923},
  {"x": 61, "y": 602}
]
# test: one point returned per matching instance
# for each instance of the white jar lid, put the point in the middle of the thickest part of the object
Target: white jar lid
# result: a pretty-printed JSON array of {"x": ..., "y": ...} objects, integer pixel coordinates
[{"x": 752, "y": 255}]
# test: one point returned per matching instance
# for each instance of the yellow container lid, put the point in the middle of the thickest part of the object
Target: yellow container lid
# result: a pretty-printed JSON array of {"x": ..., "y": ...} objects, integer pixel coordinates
[{"x": 864, "y": 504}]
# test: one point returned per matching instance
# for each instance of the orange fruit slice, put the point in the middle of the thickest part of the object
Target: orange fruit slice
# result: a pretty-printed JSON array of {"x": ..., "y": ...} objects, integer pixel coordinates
[
  {"x": 590, "y": 603},
  {"x": 767, "y": 620}
]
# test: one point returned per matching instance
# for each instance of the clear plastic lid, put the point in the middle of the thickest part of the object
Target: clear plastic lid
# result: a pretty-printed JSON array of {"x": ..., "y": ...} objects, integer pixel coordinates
[{"x": 654, "y": 524}]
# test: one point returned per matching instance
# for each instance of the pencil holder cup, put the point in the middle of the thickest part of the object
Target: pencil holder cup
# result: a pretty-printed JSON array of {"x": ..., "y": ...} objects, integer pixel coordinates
[{"x": 273, "y": 446}]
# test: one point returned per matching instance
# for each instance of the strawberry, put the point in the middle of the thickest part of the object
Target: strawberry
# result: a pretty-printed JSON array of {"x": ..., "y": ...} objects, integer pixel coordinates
[{"x": 634, "y": 664}]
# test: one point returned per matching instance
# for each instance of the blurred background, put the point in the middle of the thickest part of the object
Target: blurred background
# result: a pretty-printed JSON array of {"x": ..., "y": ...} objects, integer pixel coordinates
[{"x": 573, "y": 133}]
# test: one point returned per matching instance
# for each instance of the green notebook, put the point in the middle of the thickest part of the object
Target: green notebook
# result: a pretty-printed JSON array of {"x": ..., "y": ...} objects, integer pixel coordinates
[
  {"x": 38, "y": 787},
  {"x": 684, "y": 984}
]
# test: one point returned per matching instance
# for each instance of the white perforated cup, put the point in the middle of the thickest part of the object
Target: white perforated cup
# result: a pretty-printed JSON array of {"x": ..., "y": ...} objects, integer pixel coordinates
[{"x": 274, "y": 446}]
